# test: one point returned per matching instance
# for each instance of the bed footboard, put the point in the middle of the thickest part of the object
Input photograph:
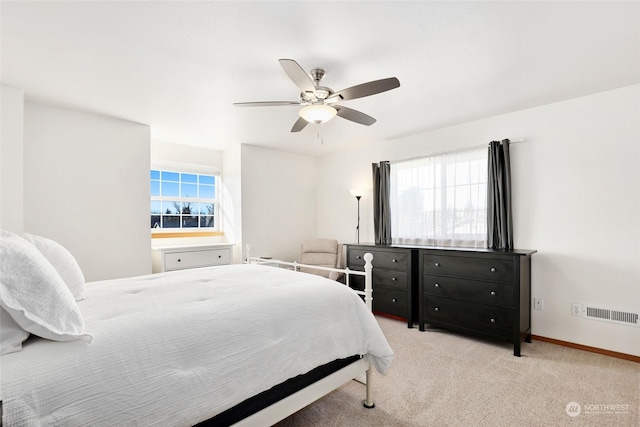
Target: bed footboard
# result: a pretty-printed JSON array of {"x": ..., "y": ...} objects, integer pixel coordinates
[
  {"x": 368, "y": 267},
  {"x": 368, "y": 299}
]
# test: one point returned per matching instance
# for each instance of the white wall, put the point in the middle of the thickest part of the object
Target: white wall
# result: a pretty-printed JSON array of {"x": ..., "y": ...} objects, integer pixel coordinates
[
  {"x": 232, "y": 199},
  {"x": 576, "y": 183},
  {"x": 278, "y": 201},
  {"x": 11, "y": 197},
  {"x": 167, "y": 152},
  {"x": 86, "y": 185}
]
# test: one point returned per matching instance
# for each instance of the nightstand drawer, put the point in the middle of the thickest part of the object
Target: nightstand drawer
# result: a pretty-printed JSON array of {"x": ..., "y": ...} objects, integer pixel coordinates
[
  {"x": 390, "y": 278},
  {"x": 471, "y": 290},
  {"x": 396, "y": 260},
  {"x": 355, "y": 259},
  {"x": 497, "y": 269},
  {"x": 480, "y": 317},
  {"x": 391, "y": 301},
  {"x": 193, "y": 259},
  {"x": 356, "y": 282}
]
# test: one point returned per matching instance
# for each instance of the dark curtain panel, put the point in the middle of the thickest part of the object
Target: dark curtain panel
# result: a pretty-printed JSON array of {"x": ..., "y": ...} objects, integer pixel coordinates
[
  {"x": 381, "y": 204},
  {"x": 499, "y": 217}
]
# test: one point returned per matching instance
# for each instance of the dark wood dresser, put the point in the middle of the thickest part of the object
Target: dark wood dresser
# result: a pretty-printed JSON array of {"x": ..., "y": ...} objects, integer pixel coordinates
[
  {"x": 394, "y": 278},
  {"x": 482, "y": 292}
]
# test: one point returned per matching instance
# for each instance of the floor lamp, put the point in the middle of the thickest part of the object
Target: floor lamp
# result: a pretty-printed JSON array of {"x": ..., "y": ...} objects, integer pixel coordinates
[{"x": 358, "y": 194}]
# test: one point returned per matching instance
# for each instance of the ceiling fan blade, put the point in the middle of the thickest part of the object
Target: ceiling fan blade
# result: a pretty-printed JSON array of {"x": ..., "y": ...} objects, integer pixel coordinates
[
  {"x": 299, "y": 125},
  {"x": 354, "y": 115},
  {"x": 365, "y": 89},
  {"x": 297, "y": 74},
  {"x": 265, "y": 104}
]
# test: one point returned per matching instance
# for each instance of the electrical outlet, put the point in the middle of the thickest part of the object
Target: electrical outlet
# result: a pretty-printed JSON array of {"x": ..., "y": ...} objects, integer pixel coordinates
[
  {"x": 576, "y": 310},
  {"x": 538, "y": 303}
]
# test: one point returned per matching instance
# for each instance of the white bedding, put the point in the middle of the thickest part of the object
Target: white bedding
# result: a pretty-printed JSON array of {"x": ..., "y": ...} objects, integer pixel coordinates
[{"x": 177, "y": 348}]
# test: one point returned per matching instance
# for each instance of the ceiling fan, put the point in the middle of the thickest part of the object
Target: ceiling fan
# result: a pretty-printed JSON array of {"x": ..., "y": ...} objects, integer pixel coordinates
[{"x": 319, "y": 102}]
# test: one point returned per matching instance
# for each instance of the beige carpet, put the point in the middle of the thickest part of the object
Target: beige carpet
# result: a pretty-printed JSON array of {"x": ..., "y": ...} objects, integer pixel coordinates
[{"x": 439, "y": 378}]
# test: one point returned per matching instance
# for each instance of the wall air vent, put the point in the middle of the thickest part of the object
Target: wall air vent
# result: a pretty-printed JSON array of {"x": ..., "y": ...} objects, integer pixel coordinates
[{"x": 610, "y": 315}]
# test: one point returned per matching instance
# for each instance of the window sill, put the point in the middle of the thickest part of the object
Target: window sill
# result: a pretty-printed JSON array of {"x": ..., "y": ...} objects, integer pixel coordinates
[{"x": 165, "y": 235}]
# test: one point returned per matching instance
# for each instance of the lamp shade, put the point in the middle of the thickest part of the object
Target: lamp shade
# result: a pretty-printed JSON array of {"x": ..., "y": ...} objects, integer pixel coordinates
[
  {"x": 317, "y": 113},
  {"x": 357, "y": 192}
]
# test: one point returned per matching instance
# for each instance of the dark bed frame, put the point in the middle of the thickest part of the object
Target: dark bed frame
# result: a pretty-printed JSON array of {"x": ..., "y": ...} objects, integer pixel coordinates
[{"x": 262, "y": 400}]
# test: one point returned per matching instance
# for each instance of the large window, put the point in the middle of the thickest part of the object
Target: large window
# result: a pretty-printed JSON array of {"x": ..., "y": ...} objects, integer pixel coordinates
[
  {"x": 185, "y": 201},
  {"x": 440, "y": 200}
]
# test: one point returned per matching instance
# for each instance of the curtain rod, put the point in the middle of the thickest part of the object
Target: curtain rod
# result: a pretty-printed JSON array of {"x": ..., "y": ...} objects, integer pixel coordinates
[{"x": 440, "y": 153}]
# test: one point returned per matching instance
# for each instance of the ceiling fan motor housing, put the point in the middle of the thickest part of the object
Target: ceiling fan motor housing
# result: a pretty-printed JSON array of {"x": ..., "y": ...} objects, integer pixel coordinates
[
  {"x": 321, "y": 94},
  {"x": 317, "y": 74}
]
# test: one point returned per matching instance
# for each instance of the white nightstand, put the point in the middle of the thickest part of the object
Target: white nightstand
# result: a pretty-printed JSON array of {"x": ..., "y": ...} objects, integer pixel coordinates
[{"x": 169, "y": 258}]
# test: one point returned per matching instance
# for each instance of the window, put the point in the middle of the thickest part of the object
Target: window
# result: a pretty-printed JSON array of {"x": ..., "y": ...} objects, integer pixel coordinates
[
  {"x": 184, "y": 201},
  {"x": 440, "y": 200}
]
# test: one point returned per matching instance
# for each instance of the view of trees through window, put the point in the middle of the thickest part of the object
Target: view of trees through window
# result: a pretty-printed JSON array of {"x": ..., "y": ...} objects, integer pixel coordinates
[{"x": 183, "y": 200}]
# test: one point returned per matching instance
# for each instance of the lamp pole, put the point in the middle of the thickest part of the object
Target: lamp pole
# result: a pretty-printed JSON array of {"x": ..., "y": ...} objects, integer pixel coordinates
[
  {"x": 358, "y": 194},
  {"x": 358, "y": 226}
]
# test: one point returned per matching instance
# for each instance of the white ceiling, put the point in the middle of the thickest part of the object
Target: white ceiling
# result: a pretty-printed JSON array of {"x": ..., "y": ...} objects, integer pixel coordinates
[{"x": 179, "y": 66}]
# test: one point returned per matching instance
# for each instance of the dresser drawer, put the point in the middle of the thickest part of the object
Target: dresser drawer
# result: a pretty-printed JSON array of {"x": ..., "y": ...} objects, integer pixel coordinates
[
  {"x": 480, "y": 317},
  {"x": 390, "y": 278},
  {"x": 193, "y": 259},
  {"x": 396, "y": 260},
  {"x": 466, "y": 289},
  {"x": 391, "y": 301},
  {"x": 497, "y": 269}
]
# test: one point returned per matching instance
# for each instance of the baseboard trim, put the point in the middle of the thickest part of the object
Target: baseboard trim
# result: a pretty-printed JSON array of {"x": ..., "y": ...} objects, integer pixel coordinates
[{"x": 624, "y": 356}]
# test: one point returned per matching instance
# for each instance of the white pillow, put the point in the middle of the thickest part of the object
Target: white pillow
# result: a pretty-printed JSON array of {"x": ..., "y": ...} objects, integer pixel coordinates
[
  {"x": 33, "y": 293},
  {"x": 6, "y": 234},
  {"x": 62, "y": 260},
  {"x": 11, "y": 334}
]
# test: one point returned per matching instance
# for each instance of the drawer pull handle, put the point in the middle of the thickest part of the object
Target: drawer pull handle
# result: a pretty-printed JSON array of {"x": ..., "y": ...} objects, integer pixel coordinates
[
  {"x": 358, "y": 257},
  {"x": 219, "y": 256},
  {"x": 394, "y": 300},
  {"x": 394, "y": 260},
  {"x": 437, "y": 285},
  {"x": 493, "y": 292},
  {"x": 493, "y": 320},
  {"x": 179, "y": 260},
  {"x": 493, "y": 269},
  {"x": 436, "y": 309},
  {"x": 393, "y": 279},
  {"x": 437, "y": 264}
]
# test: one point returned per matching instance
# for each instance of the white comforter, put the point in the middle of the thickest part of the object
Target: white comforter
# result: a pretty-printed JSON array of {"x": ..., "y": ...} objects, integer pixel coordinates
[{"x": 177, "y": 348}]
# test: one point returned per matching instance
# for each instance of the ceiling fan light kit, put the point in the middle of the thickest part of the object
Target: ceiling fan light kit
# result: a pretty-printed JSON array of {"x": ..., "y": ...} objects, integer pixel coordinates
[
  {"x": 317, "y": 113},
  {"x": 319, "y": 101}
]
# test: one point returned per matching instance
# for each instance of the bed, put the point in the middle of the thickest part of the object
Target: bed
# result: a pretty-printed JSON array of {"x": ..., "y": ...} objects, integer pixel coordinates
[{"x": 243, "y": 344}]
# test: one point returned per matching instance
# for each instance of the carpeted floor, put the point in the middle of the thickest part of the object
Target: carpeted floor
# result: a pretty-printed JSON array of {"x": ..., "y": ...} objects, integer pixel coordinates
[{"x": 439, "y": 378}]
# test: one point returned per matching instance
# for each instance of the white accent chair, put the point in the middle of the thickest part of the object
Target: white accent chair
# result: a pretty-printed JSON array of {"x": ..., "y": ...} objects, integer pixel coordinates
[{"x": 323, "y": 253}]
